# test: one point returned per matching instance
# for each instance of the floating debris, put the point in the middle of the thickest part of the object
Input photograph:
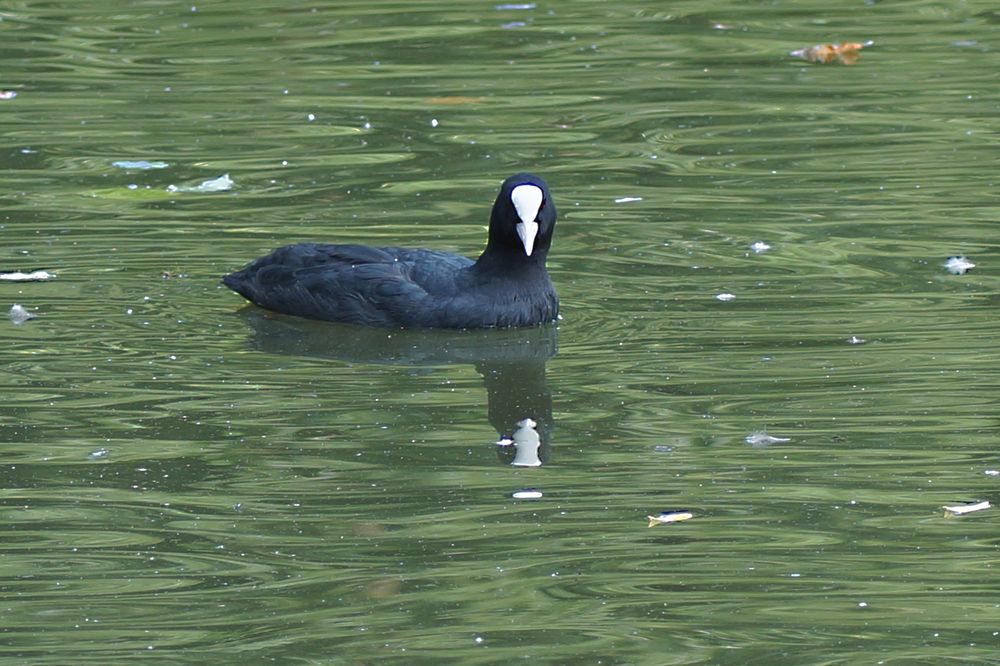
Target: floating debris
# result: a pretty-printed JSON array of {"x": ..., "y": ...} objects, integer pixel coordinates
[
  {"x": 663, "y": 448},
  {"x": 529, "y": 493},
  {"x": 855, "y": 340},
  {"x": 8, "y": 94},
  {"x": 759, "y": 246},
  {"x": 670, "y": 517},
  {"x": 761, "y": 438},
  {"x": 98, "y": 454},
  {"x": 725, "y": 297},
  {"x": 515, "y": 5},
  {"x": 959, "y": 509},
  {"x": 142, "y": 165},
  {"x": 958, "y": 265},
  {"x": 992, "y": 472},
  {"x": 33, "y": 276},
  {"x": 627, "y": 199},
  {"x": 845, "y": 53},
  {"x": 220, "y": 184},
  {"x": 18, "y": 315}
]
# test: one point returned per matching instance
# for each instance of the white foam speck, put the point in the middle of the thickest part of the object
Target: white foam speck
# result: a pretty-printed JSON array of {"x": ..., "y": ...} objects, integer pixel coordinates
[
  {"x": 761, "y": 438},
  {"x": 958, "y": 265},
  {"x": 19, "y": 315}
]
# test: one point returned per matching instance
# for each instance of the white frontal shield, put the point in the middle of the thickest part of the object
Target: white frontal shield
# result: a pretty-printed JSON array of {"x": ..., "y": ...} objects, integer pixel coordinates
[{"x": 527, "y": 200}]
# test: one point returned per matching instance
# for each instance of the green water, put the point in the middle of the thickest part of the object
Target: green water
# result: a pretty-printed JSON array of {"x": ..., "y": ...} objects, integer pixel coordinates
[{"x": 183, "y": 480}]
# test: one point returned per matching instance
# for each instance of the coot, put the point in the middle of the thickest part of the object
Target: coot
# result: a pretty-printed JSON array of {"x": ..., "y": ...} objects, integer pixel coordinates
[{"x": 399, "y": 287}]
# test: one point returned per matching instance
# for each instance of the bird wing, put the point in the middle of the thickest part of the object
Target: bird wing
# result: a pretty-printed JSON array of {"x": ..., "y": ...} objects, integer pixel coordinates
[{"x": 351, "y": 283}]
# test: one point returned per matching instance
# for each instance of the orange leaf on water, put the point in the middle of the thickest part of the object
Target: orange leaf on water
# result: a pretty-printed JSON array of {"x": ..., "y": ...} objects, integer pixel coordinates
[{"x": 846, "y": 53}]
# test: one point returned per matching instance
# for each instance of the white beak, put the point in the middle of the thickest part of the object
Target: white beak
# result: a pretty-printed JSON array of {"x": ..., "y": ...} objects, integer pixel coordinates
[{"x": 527, "y": 200}]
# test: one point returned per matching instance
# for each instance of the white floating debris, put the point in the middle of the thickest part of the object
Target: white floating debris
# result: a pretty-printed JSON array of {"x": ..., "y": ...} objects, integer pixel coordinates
[
  {"x": 670, "y": 517},
  {"x": 959, "y": 509},
  {"x": 761, "y": 438},
  {"x": 855, "y": 340},
  {"x": 33, "y": 276},
  {"x": 958, "y": 265},
  {"x": 98, "y": 454},
  {"x": 220, "y": 184},
  {"x": 18, "y": 315},
  {"x": 992, "y": 472},
  {"x": 725, "y": 296},
  {"x": 527, "y": 494},
  {"x": 142, "y": 165},
  {"x": 627, "y": 199},
  {"x": 8, "y": 94},
  {"x": 759, "y": 246},
  {"x": 434, "y": 122},
  {"x": 515, "y": 5}
]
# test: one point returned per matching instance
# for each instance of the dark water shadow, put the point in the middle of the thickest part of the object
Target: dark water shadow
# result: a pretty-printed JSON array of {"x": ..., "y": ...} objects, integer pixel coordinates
[{"x": 510, "y": 361}]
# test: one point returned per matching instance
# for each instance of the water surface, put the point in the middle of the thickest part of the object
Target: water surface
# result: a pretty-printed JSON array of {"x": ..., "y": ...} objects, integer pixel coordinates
[{"x": 189, "y": 481}]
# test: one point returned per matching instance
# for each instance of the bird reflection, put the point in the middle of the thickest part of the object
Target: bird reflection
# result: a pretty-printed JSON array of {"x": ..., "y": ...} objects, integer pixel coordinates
[
  {"x": 511, "y": 362},
  {"x": 523, "y": 448}
]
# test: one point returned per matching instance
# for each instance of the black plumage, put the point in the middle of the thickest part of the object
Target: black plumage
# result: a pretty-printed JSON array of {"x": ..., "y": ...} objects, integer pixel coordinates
[{"x": 398, "y": 287}]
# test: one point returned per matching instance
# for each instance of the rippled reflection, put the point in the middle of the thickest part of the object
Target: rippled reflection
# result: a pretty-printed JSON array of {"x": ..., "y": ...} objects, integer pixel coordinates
[{"x": 511, "y": 363}]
